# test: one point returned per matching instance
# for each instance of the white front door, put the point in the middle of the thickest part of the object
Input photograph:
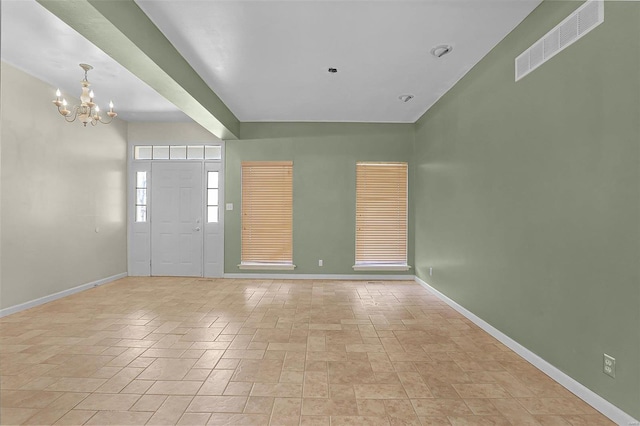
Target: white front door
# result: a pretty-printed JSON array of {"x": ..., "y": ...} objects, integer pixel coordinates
[{"x": 176, "y": 219}]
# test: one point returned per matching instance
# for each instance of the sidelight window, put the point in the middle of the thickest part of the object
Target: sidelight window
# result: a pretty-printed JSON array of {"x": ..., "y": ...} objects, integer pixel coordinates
[{"x": 141, "y": 196}]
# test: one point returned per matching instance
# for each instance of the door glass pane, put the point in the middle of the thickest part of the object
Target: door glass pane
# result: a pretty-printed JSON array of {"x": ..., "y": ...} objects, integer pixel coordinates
[
  {"x": 212, "y": 180},
  {"x": 212, "y": 197},
  {"x": 212, "y": 214},
  {"x": 141, "y": 196},
  {"x": 142, "y": 153},
  {"x": 141, "y": 213},
  {"x": 178, "y": 152},
  {"x": 160, "y": 152},
  {"x": 141, "y": 179},
  {"x": 213, "y": 152},
  {"x": 195, "y": 152}
]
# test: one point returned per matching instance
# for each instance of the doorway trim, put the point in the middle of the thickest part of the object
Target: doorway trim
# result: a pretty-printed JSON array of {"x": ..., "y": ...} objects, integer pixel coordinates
[{"x": 139, "y": 233}]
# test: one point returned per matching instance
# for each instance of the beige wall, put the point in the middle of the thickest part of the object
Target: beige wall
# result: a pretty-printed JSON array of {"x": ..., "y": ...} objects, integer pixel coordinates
[
  {"x": 1, "y": 105},
  {"x": 61, "y": 183},
  {"x": 168, "y": 133}
]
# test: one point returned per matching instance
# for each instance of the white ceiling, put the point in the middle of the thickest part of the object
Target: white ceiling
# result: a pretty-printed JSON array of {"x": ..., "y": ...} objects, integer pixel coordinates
[
  {"x": 268, "y": 60},
  {"x": 37, "y": 42}
]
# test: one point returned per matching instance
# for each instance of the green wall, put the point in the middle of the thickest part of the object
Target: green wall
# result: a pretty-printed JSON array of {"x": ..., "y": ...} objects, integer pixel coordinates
[
  {"x": 324, "y": 159},
  {"x": 527, "y": 198}
]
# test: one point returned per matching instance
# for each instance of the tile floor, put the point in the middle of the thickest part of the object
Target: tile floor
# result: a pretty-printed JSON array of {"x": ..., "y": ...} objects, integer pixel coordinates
[{"x": 197, "y": 351}]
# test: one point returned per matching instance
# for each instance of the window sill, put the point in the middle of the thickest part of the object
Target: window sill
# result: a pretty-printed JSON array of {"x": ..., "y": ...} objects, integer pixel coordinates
[
  {"x": 381, "y": 267},
  {"x": 267, "y": 266}
]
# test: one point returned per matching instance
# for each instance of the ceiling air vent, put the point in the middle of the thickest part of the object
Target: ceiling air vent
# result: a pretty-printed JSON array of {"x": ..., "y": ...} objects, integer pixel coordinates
[{"x": 584, "y": 19}]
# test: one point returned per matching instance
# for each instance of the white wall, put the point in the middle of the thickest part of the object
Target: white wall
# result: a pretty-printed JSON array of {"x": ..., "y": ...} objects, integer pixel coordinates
[{"x": 63, "y": 195}]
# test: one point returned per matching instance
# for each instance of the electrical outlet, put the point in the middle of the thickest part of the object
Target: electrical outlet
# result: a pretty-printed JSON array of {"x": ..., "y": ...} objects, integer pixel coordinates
[
  {"x": 609, "y": 366},
  {"x": 320, "y": 262},
  {"x": 430, "y": 271}
]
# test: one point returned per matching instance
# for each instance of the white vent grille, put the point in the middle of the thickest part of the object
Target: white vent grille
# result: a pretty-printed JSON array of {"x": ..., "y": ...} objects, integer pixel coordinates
[
  {"x": 580, "y": 22},
  {"x": 568, "y": 31},
  {"x": 551, "y": 44},
  {"x": 589, "y": 17},
  {"x": 536, "y": 55}
]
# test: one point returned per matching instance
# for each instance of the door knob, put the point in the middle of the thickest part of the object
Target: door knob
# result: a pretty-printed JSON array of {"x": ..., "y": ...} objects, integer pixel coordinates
[{"x": 197, "y": 229}]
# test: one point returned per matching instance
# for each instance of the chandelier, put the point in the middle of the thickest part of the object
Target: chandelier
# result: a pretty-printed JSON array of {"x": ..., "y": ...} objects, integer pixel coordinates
[{"x": 87, "y": 111}]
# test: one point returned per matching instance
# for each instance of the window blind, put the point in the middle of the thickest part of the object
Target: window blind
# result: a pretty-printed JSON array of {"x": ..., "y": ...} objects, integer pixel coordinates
[
  {"x": 267, "y": 212},
  {"x": 381, "y": 213}
]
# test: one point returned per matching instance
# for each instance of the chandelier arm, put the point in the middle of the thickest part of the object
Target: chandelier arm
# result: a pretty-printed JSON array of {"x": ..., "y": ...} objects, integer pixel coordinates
[
  {"x": 106, "y": 122},
  {"x": 73, "y": 113}
]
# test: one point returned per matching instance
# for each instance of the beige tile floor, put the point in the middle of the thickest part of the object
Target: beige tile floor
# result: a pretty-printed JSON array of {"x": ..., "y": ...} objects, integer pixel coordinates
[{"x": 198, "y": 351}]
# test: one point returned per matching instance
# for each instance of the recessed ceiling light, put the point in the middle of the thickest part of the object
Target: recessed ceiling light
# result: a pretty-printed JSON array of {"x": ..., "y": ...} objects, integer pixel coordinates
[
  {"x": 405, "y": 98},
  {"x": 441, "y": 50},
  {"x": 333, "y": 70}
]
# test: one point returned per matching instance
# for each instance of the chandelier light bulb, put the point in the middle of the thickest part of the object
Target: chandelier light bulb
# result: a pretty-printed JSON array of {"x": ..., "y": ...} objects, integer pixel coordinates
[
  {"x": 111, "y": 114},
  {"x": 64, "y": 111},
  {"x": 91, "y": 94},
  {"x": 97, "y": 108},
  {"x": 57, "y": 102}
]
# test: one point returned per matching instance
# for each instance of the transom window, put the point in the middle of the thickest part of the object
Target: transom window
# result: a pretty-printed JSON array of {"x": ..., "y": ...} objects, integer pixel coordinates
[{"x": 177, "y": 152}]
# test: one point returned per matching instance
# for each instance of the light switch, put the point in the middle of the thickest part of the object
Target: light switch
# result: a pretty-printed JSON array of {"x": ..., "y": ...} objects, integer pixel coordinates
[{"x": 229, "y": 206}]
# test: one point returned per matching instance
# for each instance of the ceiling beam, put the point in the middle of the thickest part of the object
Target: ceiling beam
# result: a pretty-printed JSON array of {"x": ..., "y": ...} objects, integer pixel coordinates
[{"x": 124, "y": 32}]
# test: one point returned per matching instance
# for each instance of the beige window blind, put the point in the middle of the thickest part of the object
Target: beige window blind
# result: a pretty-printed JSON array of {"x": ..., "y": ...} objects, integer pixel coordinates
[
  {"x": 267, "y": 212},
  {"x": 381, "y": 213}
]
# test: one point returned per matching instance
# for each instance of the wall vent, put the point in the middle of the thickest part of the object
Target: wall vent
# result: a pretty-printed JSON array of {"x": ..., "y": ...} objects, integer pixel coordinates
[{"x": 580, "y": 22}]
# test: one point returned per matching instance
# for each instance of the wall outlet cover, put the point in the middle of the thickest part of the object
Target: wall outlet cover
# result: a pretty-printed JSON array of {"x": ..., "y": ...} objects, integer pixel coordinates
[{"x": 609, "y": 366}]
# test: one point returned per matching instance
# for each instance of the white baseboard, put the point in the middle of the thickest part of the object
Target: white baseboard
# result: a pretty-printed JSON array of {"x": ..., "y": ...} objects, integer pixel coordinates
[
  {"x": 587, "y": 395},
  {"x": 21, "y": 307},
  {"x": 350, "y": 277}
]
